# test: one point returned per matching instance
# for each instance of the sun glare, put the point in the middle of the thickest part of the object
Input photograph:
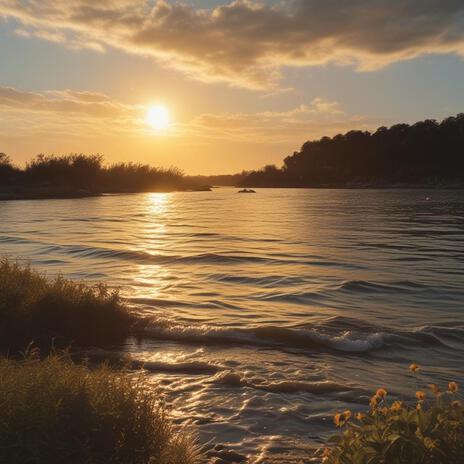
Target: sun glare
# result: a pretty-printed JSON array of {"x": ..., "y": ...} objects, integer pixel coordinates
[{"x": 158, "y": 117}]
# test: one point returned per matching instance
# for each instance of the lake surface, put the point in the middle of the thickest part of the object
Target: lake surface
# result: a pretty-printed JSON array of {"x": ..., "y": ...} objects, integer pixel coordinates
[{"x": 272, "y": 311}]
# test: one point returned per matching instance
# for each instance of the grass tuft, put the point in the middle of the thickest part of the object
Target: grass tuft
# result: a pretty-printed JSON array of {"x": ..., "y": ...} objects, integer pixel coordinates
[
  {"x": 54, "y": 411},
  {"x": 59, "y": 311}
]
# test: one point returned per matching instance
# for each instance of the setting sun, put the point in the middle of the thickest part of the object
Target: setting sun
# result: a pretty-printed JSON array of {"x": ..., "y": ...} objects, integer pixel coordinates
[{"x": 158, "y": 117}]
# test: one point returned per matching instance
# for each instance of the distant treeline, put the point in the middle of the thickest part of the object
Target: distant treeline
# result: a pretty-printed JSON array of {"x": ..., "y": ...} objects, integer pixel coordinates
[
  {"x": 220, "y": 179},
  {"x": 89, "y": 173},
  {"x": 427, "y": 152}
]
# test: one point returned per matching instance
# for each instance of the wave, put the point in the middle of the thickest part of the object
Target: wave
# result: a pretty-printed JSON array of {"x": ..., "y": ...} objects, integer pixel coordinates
[
  {"x": 234, "y": 379},
  {"x": 178, "y": 367},
  {"x": 146, "y": 257},
  {"x": 269, "y": 336},
  {"x": 192, "y": 367},
  {"x": 221, "y": 375},
  {"x": 365, "y": 286},
  {"x": 264, "y": 281},
  {"x": 336, "y": 334}
]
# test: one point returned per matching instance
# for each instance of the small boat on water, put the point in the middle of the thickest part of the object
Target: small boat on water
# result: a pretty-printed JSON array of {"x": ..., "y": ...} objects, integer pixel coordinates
[{"x": 246, "y": 191}]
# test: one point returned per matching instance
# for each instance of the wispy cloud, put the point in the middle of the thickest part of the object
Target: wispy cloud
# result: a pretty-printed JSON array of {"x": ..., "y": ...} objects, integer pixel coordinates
[
  {"x": 245, "y": 42},
  {"x": 318, "y": 118},
  {"x": 88, "y": 113}
]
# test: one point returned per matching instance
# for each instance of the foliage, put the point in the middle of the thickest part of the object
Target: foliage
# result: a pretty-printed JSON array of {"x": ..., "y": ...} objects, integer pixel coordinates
[
  {"x": 59, "y": 311},
  {"x": 53, "y": 412},
  {"x": 126, "y": 177},
  {"x": 223, "y": 180},
  {"x": 430, "y": 432},
  {"x": 425, "y": 152},
  {"x": 77, "y": 171},
  {"x": 7, "y": 170},
  {"x": 88, "y": 172}
]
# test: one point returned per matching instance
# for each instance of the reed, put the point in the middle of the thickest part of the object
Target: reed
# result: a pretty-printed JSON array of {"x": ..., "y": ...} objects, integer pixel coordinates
[{"x": 55, "y": 411}]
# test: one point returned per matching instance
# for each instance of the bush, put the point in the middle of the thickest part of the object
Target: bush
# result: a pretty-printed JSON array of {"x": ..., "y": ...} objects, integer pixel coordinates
[
  {"x": 53, "y": 411},
  {"x": 73, "y": 172},
  {"x": 429, "y": 432},
  {"x": 59, "y": 311}
]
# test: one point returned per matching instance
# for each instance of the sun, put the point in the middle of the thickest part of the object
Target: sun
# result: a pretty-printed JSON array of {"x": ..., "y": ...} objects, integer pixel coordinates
[{"x": 158, "y": 117}]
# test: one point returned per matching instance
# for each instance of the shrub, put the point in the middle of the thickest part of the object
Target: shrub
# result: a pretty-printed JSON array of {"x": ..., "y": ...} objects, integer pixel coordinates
[
  {"x": 88, "y": 172},
  {"x": 429, "y": 432},
  {"x": 54, "y": 411},
  {"x": 34, "y": 309}
]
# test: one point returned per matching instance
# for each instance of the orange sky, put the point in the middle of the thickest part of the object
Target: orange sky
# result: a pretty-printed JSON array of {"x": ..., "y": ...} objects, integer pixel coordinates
[{"x": 246, "y": 83}]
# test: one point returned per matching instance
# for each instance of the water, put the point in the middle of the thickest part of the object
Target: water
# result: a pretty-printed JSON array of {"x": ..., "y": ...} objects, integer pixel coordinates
[{"x": 272, "y": 310}]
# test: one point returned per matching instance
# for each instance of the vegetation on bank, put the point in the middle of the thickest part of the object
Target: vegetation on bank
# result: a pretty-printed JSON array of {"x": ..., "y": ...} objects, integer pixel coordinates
[
  {"x": 58, "y": 311},
  {"x": 429, "y": 432},
  {"x": 230, "y": 180},
  {"x": 78, "y": 172},
  {"x": 427, "y": 152},
  {"x": 54, "y": 411}
]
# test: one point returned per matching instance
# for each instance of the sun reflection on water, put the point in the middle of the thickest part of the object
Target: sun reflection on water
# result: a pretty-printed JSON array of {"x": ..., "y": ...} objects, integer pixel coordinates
[
  {"x": 151, "y": 279},
  {"x": 157, "y": 203}
]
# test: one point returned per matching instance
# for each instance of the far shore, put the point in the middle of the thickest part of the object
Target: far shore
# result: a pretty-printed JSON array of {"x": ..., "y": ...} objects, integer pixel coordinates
[
  {"x": 50, "y": 193},
  {"x": 57, "y": 193}
]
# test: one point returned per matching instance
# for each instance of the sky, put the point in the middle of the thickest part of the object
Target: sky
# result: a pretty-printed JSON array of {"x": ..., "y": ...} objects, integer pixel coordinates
[{"x": 245, "y": 82}]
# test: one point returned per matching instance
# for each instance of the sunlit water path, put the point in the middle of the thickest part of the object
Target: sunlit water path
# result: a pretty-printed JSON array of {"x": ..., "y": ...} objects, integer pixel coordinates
[{"x": 274, "y": 310}]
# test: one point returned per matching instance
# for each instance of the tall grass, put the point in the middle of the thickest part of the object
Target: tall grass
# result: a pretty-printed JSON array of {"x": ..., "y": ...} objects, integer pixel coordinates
[
  {"x": 35, "y": 309},
  {"x": 56, "y": 412}
]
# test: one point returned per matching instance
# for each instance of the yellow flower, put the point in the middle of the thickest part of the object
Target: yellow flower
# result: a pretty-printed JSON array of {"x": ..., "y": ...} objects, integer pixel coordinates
[
  {"x": 420, "y": 395},
  {"x": 435, "y": 389},
  {"x": 360, "y": 416},
  {"x": 396, "y": 406},
  {"x": 414, "y": 367},
  {"x": 374, "y": 400},
  {"x": 381, "y": 393},
  {"x": 453, "y": 387},
  {"x": 338, "y": 419},
  {"x": 347, "y": 414}
]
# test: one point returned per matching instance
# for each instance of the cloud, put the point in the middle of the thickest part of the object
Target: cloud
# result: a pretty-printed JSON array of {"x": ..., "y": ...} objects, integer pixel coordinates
[
  {"x": 320, "y": 117},
  {"x": 246, "y": 42},
  {"x": 66, "y": 112},
  {"x": 81, "y": 113},
  {"x": 66, "y": 102}
]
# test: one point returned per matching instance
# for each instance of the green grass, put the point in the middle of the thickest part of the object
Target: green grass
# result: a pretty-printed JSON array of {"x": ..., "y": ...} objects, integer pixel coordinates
[
  {"x": 428, "y": 432},
  {"x": 58, "y": 311},
  {"x": 54, "y": 411}
]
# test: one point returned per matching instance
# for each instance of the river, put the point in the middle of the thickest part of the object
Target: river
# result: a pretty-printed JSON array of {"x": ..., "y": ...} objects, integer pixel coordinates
[{"x": 271, "y": 311}]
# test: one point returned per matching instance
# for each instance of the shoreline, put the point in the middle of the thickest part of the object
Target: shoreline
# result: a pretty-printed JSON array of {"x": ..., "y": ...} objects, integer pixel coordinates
[{"x": 70, "y": 195}]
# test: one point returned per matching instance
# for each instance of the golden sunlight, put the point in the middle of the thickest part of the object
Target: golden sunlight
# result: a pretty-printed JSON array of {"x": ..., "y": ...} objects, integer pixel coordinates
[{"x": 157, "y": 117}]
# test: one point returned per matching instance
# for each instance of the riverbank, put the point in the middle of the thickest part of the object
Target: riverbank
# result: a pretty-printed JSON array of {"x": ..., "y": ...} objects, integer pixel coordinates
[
  {"x": 57, "y": 410},
  {"x": 45, "y": 194},
  {"x": 364, "y": 186}
]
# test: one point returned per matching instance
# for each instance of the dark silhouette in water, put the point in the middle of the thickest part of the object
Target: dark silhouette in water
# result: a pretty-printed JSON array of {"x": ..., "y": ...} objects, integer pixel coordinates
[
  {"x": 427, "y": 152},
  {"x": 246, "y": 191}
]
